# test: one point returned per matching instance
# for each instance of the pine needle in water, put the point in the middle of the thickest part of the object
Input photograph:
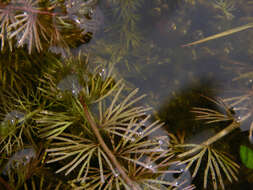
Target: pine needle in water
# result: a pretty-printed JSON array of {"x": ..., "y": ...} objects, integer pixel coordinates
[{"x": 222, "y": 34}]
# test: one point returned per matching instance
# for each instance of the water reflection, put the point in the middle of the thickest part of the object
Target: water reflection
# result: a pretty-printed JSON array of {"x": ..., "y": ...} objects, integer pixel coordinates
[
  {"x": 143, "y": 39},
  {"x": 175, "y": 77},
  {"x": 176, "y": 110}
]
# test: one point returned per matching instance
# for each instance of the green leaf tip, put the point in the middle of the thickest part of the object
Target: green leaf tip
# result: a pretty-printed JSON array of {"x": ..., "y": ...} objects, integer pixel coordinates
[{"x": 246, "y": 155}]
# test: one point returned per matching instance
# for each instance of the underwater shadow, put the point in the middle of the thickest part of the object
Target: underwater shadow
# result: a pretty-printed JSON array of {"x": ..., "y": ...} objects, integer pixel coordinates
[{"x": 176, "y": 113}]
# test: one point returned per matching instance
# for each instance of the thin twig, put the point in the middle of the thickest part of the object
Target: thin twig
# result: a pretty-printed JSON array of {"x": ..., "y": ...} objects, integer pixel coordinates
[
  {"x": 106, "y": 149},
  {"x": 222, "y": 133}
]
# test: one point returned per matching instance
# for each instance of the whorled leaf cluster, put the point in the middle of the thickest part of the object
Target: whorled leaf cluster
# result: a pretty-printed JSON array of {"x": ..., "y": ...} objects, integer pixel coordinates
[
  {"x": 82, "y": 125},
  {"x": 41, "y": 24},
  {"x": 218, "y": 165},
  {"x": 85, "y": 130}
]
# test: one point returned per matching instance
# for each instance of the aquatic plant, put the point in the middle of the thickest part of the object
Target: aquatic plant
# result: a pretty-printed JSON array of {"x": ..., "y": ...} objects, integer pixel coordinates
[
  {"x": 96, "y": 136},
  {"x": 246, "y": 155},
  {"x": 16, "y": 111},
  {"x": 38, "y": 24},
  {"x": 240, "y": 99},
  {"x": 242, "y": 105},
  {"x": 226, "y": 7},
  {"x": 110, "y": 138},
  {"x": 221, "y": 34},
  {"x": 89, "y": 130},
  {"x": 20, "y": 71},
  {"x": 125, "y": 12},
  {"x": 218, "y": 163},
  {"x": 21, "y": 157}
]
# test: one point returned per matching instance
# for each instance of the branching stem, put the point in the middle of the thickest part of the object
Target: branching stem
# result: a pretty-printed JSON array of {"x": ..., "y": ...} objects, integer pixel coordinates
[
  {"x": 222, "y": 133},
  {"x": 109, "y": 153}
]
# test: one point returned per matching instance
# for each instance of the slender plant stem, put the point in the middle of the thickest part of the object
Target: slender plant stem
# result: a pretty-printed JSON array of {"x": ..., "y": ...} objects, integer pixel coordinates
[
  {"x": 109, "y": 153},
  {"x": 222, "y": 133}
]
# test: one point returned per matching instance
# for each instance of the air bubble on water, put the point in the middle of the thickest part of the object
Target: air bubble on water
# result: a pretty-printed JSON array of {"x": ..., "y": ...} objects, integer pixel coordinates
[
  {"x": 115, "y": 172},
  {"x": 180, "y": 179},
  {"x": 75, "y": 92},
  {"x": 13, "y": 116},
  {"x": 182, "y": 170},
  {"x": 77, "y": 20},
  {"x": 132, "y": 139},
  {"x": 21, "y": 157},
  {"x": 78, "y": 9},
  {"x": 102, "y": 73},
  {"x": 140, "y": 133},
  {"x": 59, "y": 96},
  {"x": 160, "y": 142},
  {"x": 70, "y": 83},
  {"x": 148, "y": 166}
]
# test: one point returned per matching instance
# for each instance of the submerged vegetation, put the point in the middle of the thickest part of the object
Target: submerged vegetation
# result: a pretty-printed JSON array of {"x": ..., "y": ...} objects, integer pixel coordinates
[{"x": 71, "y": 119}]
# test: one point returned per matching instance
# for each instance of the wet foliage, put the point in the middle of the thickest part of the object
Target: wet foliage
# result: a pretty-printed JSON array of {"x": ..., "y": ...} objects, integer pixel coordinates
[{"x": 122, "y": 94}]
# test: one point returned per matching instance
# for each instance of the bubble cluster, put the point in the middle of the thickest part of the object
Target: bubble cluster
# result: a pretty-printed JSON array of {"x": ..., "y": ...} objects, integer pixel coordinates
[
  {"x": 70, "y": 83},
  {"x": 182, "y": 178},
  {"x": 102, "y": 73},
  {"x": 88, "y": 16},
  {"x": 161, "y": 138},
  {"x": 149, "y": 166},
  {"x": 10, "y": 119},
  {"x": 13, "y": 116},
  {"x": 136, "y": 132},
  {"x": 21, "y": 157}
]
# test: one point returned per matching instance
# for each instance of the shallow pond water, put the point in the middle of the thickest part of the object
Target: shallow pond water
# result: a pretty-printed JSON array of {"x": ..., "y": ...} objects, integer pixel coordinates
[{"x": 176, "y": 77}]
